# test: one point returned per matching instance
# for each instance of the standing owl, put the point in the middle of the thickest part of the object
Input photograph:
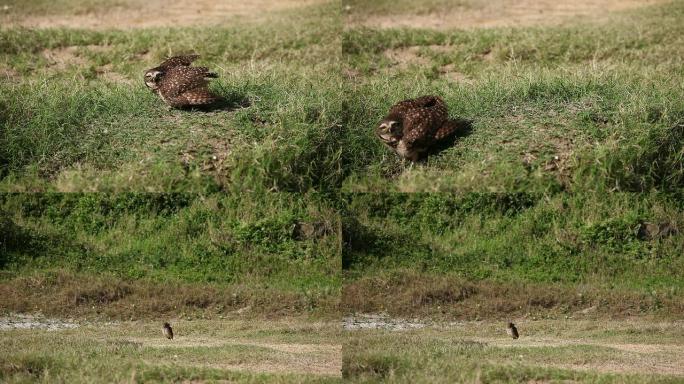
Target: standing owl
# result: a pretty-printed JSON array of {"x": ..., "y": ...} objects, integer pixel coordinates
[
  {"x": 179, "y": 84},
  {"x": 512, "y": 331},
  {"x": 168, "y": 332},
  {"x": 414, "y": 126}
]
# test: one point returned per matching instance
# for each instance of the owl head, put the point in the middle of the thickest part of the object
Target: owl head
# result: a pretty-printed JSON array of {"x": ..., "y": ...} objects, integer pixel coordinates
[
  {"x": 389, "y": 131},
  {"x": 152, "y": 77}
]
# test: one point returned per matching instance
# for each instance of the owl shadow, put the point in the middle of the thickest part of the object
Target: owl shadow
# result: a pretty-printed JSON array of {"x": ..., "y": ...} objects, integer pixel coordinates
[
  {"x": 465, "y": 128},
  {"x": 227, "y": 103}
]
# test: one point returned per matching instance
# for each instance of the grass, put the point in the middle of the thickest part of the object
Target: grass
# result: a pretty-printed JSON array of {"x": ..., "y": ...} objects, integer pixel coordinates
[
  {"x": 563, "y": 200},
  {"x": 244, "y": 351},
  {"x": 548, "y": 351},
  {"x": 586, "y": 106},
  {"x": 271, "y": 251},
  {"x": 99, "y": 129},
  {"x": 461, "y": 256},
  {"x": 575, "y": 147}
]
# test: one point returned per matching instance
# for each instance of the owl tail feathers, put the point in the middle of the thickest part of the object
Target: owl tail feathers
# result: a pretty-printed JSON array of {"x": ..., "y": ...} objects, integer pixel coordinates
[
  {"x": 448, "y": 129},
  {"x": 212, "y": 75}
]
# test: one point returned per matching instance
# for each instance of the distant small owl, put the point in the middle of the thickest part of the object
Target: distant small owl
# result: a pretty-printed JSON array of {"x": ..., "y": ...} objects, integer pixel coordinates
[
  {"x": 512, "y": 330},
  {"x": 179, "y": 84},
  {"x": 414, "y": 126},
  {"x": 168, "y": 332}
]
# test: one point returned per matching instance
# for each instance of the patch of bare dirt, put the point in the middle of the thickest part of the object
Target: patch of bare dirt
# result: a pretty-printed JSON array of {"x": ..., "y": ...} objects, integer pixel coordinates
[
  {"x": 507, "y": 13},
  {"x": 60, "y": 58},
  {"x": 9, "y": 74},
  {"x": 450, "y": 72},
  {"x": 159, "y": 13},
  {"x": 316, "y": 359},
  {"x": 648, "y": 362},
  {"x": 402, "y": 58},
  {"x": 211, "y": 155},
  {"x": 107, "y": 72},
  {"x": 21, "y": 321}
]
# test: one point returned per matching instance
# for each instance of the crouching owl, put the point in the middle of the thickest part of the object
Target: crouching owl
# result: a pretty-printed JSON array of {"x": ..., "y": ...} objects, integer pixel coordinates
[
  {"x": 413, "y": 126},
  {"x": 181, "y": 85}
]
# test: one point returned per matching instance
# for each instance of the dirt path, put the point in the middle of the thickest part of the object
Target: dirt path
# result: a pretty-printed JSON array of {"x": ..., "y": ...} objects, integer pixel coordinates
[
  {"x": 662, "y": 359},
  {"x": 159, "y": 13},
  {"x": 506, "y": 13},
  {"x": 316, "y": 359}
]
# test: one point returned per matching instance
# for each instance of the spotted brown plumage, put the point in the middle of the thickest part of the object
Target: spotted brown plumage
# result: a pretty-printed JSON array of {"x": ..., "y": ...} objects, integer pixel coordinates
[
  {"x": 413, "y": 126},
  {"x": 512, "y": 331},
  {"x": 168, "y": 331},
  {"x": 179, "y": 84}
]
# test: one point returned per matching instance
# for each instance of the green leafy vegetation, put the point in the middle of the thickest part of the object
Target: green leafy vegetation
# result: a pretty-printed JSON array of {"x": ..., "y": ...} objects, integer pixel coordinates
[{"x": 282, "y": 245}]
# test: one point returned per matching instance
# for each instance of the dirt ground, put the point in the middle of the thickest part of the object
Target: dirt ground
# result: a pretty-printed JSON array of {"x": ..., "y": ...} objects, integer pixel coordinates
[
  {"x": 646, "y": 361},
  {"x": 647, "y": 357},
  {"x": 317, "y": 359},
  {"x": 507, "y": 13},
  {"x": 292, "y": 355},
  {"x": 158, "y": 13}
]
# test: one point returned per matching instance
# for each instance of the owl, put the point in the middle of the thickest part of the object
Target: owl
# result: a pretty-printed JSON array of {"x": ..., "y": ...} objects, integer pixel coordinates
[
  {"x": 181, "y": 85},
  {"x": 168, "y": 332},
  {"x": 413, "y": 126},
  {"x": 512, "y": 331}
]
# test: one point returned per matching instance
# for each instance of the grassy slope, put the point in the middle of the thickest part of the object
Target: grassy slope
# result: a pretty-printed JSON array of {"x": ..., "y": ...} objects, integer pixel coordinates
[
  {"x": 576, "y": 145},
  {"x": 599, "y": 97},
  {"x": 275, "y": 252},
  {"x": 67, "y": 124},
  {"x": 493, "y": 255}
]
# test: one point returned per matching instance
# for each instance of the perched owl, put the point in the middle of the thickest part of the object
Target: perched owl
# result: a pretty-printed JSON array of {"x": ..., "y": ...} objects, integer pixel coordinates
[
  {"x": 414, "y": 126},
  {"x": 181, "y": 85},
  {"x": 168, "y": 332},
  {"x": 512, "y": 330}
]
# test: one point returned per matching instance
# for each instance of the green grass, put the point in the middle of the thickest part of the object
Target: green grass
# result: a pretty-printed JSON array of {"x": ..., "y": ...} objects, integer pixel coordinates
[
  {"x": 201, "y": 351},
  {"x": 599, "y": 97},
  {"x": 288, "y": 206},
  {"x": 452, "y": 255},
  {"x": 67, "y": 124},
  {"x": 575, "y": 147},
  {"x": 285, "y": 246},
  {"x": 546, "y": 352}
]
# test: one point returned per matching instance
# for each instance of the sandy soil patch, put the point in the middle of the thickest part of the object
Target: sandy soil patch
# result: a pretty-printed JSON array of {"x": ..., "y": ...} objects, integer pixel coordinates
[
  {"x": 159, "y": 13},
  {"x": 507, "y": 13},
  {"x": 380, "y": 321},
  {"x": 316, "y": 359},
  {"x": 19, "y": 321},
  {"x": 650, "y": 358},
  {"x": 9, "y": 74},
  {"x": 61, "y": 58}
]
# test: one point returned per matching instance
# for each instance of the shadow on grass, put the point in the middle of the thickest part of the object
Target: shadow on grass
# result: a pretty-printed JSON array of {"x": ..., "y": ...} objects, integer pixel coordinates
[
  {"x": 465, "y": 128},
  {"x": 227, "y": 103}
]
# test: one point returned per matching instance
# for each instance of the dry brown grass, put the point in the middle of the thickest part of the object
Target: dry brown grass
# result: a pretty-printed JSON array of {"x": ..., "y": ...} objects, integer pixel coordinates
[
  {"x": 497, "y": 13},
  {"x": 408, "y": 293},
  {"x": 153, "y": 13},
  {"x": 65, "y": 294}
]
